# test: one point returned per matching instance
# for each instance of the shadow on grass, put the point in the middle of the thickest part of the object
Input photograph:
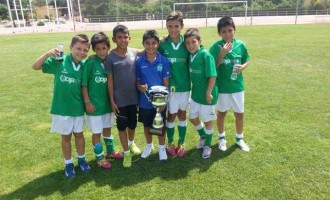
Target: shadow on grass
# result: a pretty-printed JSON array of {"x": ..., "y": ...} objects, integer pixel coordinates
[{"x": 142, "y": 170}]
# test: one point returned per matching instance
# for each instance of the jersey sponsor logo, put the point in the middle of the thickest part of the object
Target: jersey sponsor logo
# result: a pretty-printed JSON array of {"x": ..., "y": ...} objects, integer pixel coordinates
[
  {"x": 144, "y": 66},
  {"x": 69, "y": 80},
  {"x": 100, "y": 79},
  {"x": 160, "y": 67},
  {"x": 118, "y": 62},
  {"x": 226, "y": 61}
]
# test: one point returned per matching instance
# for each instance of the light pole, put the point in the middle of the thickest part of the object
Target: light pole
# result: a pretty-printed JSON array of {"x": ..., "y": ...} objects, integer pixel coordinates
[
  {"x": 297, "y": 2},
  {"x": 161, "y": 5}
]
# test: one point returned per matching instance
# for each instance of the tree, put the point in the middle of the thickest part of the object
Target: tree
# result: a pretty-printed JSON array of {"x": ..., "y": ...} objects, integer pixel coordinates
[{"x": 3, "y": 11}]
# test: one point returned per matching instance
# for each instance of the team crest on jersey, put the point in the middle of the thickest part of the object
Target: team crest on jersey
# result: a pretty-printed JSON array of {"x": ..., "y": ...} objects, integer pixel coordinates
[
  {"x": 64, "y": 71},
  {"x": 97, "y": 72},
  {"x": 166, "y": 53},
  {"x": 159, "y": 67}
]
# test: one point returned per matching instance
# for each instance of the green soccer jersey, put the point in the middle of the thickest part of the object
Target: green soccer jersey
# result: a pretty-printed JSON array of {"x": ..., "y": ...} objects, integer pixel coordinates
[
  {"x": 95, "y": 79},
  {"x": 67, "y": 95},
  {"x": 177, "y": 55},
  {"x": 225, "y": 84},
  {"x": 202, "y": 67}
]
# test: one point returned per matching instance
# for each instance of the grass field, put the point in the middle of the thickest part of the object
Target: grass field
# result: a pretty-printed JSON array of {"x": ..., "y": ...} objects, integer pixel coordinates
[{"x": 287, "y": 125}]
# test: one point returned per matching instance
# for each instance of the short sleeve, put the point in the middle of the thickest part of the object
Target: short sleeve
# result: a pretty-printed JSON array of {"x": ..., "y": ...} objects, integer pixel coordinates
[
  {"x": 210, "y": 69},
  {"x": 166, "y": 68},
  {"x": 214, "y": 50},
  {"x": 108, "y": 65},
  {"x": 49, "y": 66},
  {"x": 86, "y": 71},
  {"x": 245, "y": 55}
]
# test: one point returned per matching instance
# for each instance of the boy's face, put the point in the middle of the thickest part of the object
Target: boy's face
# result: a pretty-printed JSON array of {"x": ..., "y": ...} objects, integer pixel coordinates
[
  {"x": 121, "y": 40},
  {"x": 192, "y": 44},
  {"x": 227, "y": 33},
  {"x": 101, "y": 50},
  {"x": 174, "y": 27},
  {"x": 79, "y": 51},
  {"x": 150, "y": 45}
]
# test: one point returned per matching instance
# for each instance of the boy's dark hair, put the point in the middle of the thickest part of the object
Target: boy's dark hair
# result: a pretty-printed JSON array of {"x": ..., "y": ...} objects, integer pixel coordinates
[
  {"x": 82, "y": 38},
  {"x": 225, "y": 21},
  {"x": 150, "y": 34},
  {"x": 119, "y": 29},
  {"x": 175, "y": 16},
  {"x": 192, "y": 32},
  {"x": 98, "y": 38}
]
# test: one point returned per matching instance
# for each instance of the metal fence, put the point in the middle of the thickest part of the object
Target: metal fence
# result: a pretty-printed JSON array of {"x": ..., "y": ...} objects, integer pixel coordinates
[{"x": 195, "y": 15}]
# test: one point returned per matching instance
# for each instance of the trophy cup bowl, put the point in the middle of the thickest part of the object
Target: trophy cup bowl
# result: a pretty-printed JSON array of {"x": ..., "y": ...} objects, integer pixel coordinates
[{"x": 158, "y": 97}]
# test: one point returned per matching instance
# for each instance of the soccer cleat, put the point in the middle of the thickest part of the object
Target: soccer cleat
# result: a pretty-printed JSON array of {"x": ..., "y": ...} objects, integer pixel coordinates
[
  {"x": 147, "y": 151},
  {"x": 69, "y": 170},
  {"x": 162, "y": 153},
  {"x": 103, "y": 163},
  {"x": 222, "y": 144},
  {"x": 84, "y": 166},
  {"x": 115, "y": 155},
  {"x": 207, "y": 152},
  {"x": 170, "y": 149},
  {"x": 134, "y": 149},
  {"x": 242, "y": 145},
  {"x": 181, "y": 150},
  {"x": 201, "y": 143},
  {"x": 127, "y": 162}
]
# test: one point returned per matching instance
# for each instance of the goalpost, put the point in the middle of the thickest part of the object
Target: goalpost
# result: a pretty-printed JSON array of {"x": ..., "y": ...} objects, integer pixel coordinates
[{"x": 219, "y": 2}]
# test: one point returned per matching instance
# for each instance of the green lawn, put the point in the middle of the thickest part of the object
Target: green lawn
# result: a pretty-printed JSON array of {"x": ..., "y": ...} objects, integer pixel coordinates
[{"x": 287, "y": 117}]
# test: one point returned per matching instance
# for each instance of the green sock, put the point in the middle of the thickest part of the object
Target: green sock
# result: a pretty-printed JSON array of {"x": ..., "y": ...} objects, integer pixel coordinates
[
  {"x": 98, "y": 151},
  {"x": 170, "y": 134},
  {"x": 182, "y": 134},
  {"x": 201, "y": 133},
  {"x": 109, "y": 143},
  {"x": 208, "y": 140}
]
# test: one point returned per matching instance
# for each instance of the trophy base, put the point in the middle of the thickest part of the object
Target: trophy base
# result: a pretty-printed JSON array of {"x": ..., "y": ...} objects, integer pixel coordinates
[{"x": 156, "y": 131}]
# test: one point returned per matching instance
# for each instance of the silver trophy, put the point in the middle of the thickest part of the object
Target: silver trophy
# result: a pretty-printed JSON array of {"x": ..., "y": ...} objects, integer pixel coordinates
[{"x": 158, "y": 96}]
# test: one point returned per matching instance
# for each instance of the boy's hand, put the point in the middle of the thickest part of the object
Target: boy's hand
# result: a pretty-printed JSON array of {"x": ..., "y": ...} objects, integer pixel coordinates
[
  {"x": 226, "y": 48},
  {"x": 143, "y": 88},
  {"x": 90, "y": 108},
  {"x": 53, "y": 52},
  {"x": 114, "y": 108},
  {"x": 209, "y": 98},
  {"x": 161, "y": 109},
  {"x": 238, "y": 68}
]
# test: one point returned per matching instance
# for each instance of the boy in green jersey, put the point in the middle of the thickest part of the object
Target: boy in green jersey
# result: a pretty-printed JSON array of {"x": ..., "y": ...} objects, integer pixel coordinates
[
  {"x": 204, "y": 92},
  {"x": 99, "y": 117},
  {"x": 231, "y": 58},
  {"x": 176, "y": 52},
  {"x": 68, "y": 106}
]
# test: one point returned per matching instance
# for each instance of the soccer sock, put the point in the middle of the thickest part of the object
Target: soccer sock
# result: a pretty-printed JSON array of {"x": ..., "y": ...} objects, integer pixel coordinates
[
  {"x": 161, "y": 146},
  {"x": 98, "y": 151},
  {"x": 126, "y": 152},
  {"x": 130, "y": 142},
  {"x": 222, "y": 136},
  {"x": 201, "y": 130},
  {"x": 170, "y": 132},
  {"x": 81, "y": 158},
  {"x": 182, "y": 127},
  {"x": 208, "y": 137},
  {"x": 239, "y": 136},
  {"x": 68, "y": 161},
  {"x": 109, "y": 143}
]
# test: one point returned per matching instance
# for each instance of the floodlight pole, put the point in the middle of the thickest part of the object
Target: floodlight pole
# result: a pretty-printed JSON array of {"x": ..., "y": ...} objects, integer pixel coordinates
[
  {"x": 161, "y": 5},
  {"x": 47, "y": 11},
  {"x": 31, "y": 9},
  {"x": 56, "y": 13},
  {"x": 72, "y": 12},
  {"x": 22, "y": 13},
  {"x": 80, "y": 18},
  {"x": 251, "y": 11},
  {"x": 10, "y": 16},
  {"x": 297, "y": 2},
  {"x": 19, "y": 25}
]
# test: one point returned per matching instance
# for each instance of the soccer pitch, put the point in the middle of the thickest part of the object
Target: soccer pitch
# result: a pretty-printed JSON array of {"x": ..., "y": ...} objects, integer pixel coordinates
[{"x": 287, "y": 117}]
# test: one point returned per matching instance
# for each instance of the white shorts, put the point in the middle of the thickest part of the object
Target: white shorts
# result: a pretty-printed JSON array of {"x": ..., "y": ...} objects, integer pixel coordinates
[
  {"x": 65, "y": 125},
  {"x": 97, "y": 123},
  {"x": 235, "y": 101},
  {"x": 178, "y": 101},
  {"x": 206, "y": 112}
]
